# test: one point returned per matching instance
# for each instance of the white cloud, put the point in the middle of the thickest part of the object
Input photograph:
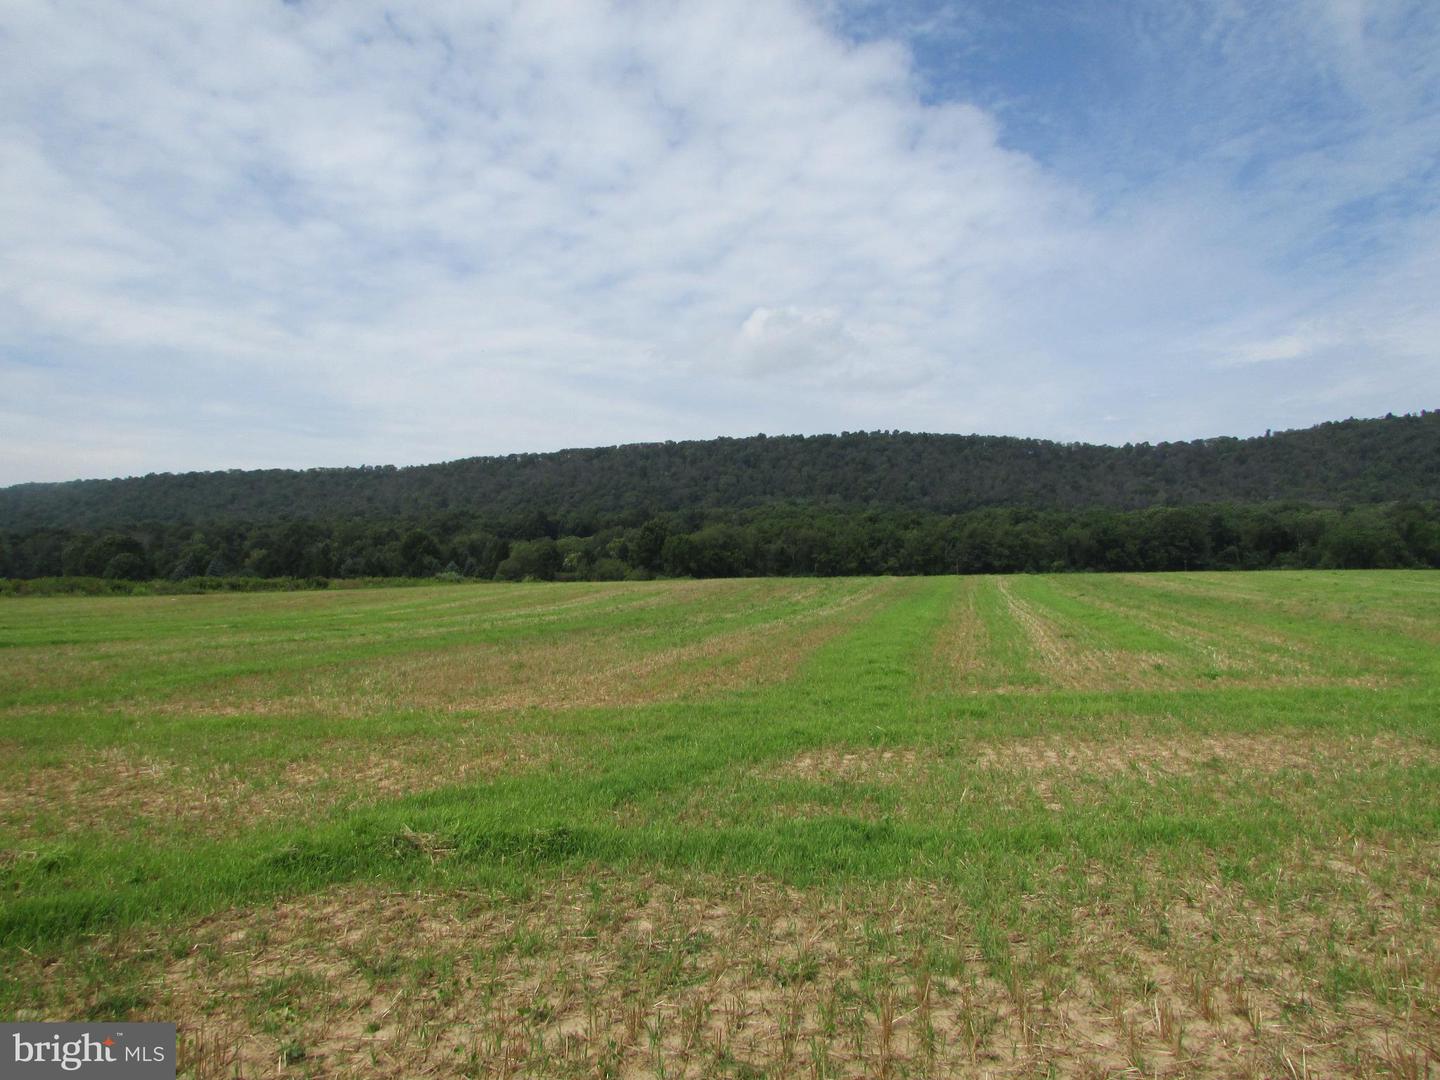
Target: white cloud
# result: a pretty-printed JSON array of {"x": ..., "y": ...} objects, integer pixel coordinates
[
  {"x": 1286, "y": 347},
  {"x": 819, "y": 347},
  {"x": 384, "y": 235}
]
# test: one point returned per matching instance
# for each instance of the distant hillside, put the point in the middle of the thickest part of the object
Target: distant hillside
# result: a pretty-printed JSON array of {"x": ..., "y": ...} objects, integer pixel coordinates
[{"x": 1348, "y": 462}]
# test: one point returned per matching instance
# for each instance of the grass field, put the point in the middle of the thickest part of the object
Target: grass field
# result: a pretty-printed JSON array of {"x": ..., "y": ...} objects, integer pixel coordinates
[{"x": 1025, "y": 826}]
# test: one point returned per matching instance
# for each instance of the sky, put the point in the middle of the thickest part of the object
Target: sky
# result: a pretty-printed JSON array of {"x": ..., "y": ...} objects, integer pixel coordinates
[{"x": 243, "y": 234}]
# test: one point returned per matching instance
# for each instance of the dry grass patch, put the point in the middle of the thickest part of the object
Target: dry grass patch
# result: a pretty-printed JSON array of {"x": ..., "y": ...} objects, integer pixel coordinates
[
  {"x": 1054, "y": 654},
  {"x": 1246, "y": 654},
  {"x": 851, "y": 764},
  {"x": 602, "y": 975},
  {"x": 1078, "y": 771},
  {"x": 586, "y": 669},
  {"x": 1387, "y": 616},
  {"x": 316, "y": 628},
  {"x": 1061, "y": 657},
  {"x": 115, "y": 790},
  {"x": 632, "y": 978},
  {"x": 959, "y": 655},
  {"x": 1147, "y": 755},
  {"x": 73, "y": 670},
  {"x": 1335, "y": 974},
  {"x": 1241, "y": 650},
  {"x": 1242, "y": 653},
  {"x": 1036, "y": 649},
  {"x": 753, "y": 656}
]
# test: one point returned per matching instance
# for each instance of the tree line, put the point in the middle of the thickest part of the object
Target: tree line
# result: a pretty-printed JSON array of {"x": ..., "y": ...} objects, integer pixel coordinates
[{"x": 778, "y": 539}]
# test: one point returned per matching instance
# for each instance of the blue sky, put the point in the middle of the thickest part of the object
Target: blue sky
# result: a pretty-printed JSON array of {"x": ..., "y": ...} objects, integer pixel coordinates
[{"x": 240, "y": 234}]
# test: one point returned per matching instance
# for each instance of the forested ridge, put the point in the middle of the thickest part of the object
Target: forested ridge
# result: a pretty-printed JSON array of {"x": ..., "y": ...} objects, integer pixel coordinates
[
  {"x": 1342, "y": 463},
  {"x": 1347, "y": 493}
]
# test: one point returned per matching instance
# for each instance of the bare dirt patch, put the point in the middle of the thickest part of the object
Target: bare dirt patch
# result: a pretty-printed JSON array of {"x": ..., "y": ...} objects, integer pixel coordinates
[
  {"x": 600, "y": 975},
  {"x": 1334, "y": 974}
]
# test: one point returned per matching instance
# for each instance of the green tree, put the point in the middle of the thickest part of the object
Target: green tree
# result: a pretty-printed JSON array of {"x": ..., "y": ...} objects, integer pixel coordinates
[
  {"x": 126, "y": 566},
  {"x": 530, "y": 559},
  {"x": 420, "y": 553}
]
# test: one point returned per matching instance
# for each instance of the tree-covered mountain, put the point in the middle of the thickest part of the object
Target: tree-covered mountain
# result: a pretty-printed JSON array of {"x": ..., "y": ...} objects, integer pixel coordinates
[
  {"x": 1344, "y": 463},
  {"x": 1361, "y": 493}
]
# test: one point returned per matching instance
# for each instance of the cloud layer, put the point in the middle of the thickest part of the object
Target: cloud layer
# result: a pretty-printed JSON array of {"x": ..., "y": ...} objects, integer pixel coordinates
[{"x": 314, "y": 233}]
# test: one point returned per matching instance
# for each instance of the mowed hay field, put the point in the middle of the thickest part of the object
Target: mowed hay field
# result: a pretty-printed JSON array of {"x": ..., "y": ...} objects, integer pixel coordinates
[{"x": 1074, "y": 825}]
